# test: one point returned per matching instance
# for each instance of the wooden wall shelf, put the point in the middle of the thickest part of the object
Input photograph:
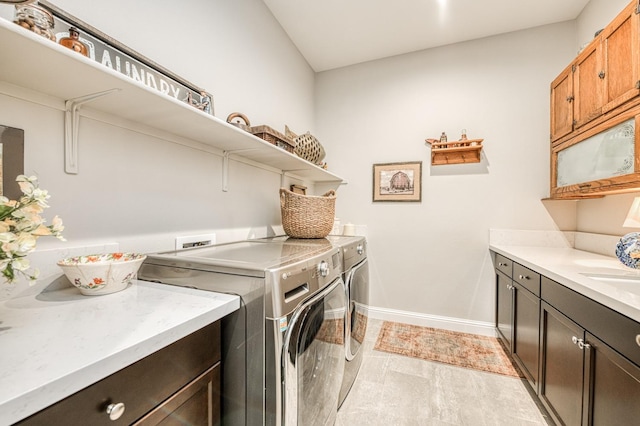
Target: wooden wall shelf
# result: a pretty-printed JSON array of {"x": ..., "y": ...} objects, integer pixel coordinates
[{"x": 455, "y": 152}]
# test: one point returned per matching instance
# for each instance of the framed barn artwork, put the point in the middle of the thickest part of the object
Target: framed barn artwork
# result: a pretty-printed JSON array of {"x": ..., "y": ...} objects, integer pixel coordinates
[{"x": 397, "y": 181}]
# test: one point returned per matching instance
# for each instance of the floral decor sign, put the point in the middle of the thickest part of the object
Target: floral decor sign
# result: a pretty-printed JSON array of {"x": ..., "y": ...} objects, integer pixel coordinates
[
  {"x": 21, "y": 225},
  {"x": 397, "y": 181}
]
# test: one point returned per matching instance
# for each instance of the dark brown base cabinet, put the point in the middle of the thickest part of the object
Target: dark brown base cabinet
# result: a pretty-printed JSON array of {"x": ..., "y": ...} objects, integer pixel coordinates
[
  {"x": 517, "y": 314},
  {"x": 588, "y": 355},
  {"x": 562, "y": 367},
  {"x": 526, "y": 332},
  {"x": 504, "y": 311},
  {"x": 177, "y": 385}
]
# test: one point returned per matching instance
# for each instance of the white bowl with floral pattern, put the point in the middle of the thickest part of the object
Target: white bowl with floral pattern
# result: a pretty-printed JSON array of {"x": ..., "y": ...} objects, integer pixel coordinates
[{"x": 99, "y": 274}]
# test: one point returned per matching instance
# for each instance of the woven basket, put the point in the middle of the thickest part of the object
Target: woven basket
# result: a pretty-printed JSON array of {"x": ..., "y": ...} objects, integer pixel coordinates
[
  {"x": 307, "y": 216},
  {"x": 306, "y": 146}
]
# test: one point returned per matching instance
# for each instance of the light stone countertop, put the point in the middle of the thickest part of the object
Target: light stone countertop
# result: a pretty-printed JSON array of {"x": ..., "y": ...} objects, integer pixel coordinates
[
  {"x": 56, "y": 343},
  {"x": 567, "y": 266}
]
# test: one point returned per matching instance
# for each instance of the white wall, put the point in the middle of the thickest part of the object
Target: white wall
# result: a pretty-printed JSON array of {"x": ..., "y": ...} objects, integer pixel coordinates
[
  {"x": 604, "y": 215},
  {"x": 141, "y": 191},
  {"x": 432, "y": 257}
]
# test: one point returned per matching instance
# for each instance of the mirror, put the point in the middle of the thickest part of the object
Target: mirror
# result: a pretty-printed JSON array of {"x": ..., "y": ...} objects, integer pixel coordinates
[{"x": 11, "y": 161}]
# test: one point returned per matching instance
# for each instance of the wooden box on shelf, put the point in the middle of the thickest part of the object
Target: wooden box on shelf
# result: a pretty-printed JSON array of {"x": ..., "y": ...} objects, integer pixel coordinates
[
  {"x": 455, "y": 152},
  {"x": 274, "y": 137}
]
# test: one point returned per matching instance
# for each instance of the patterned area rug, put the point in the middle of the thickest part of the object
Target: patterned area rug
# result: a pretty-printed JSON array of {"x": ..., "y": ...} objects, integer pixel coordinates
[{"x": 449, "y": 347}]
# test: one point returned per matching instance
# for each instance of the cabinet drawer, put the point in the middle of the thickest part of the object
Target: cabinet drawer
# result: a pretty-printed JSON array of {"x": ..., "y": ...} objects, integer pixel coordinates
[
  {"x": 616, "y": 330},
  {"x": 504, "y": 265},
  {"x": 140, "y": 386},
  {"x": 527, "y": 278}
]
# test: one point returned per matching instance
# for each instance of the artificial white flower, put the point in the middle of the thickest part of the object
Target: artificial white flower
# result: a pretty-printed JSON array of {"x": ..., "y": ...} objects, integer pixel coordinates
[
  {"x": 20, "y": 227},
  {"x": 21, "y": 264}
]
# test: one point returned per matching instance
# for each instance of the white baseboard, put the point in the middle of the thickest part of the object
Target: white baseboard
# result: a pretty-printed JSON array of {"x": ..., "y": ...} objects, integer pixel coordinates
[{"x": 434, "y": 321}]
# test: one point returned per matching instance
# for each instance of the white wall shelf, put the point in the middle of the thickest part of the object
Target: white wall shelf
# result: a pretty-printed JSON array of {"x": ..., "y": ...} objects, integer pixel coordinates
[{"x": 37, "y": 64}]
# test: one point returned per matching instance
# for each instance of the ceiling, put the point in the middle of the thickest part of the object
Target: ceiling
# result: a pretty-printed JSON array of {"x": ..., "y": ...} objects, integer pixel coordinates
[{"x": 336, "y": 33}]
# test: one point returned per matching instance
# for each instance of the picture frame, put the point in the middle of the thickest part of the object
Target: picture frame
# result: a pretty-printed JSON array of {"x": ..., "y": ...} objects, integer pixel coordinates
[
  {"x": 115, "y": 55},
  {"x": 11, "y": 161},
  {"x": 398, "y": 182}
]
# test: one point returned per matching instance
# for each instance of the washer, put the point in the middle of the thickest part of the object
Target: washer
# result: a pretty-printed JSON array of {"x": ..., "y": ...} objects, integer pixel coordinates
[
  {"x": 356, "y": 278},
  {"x": 283, "y": 360},
  {"x": 355, "y": 274}
]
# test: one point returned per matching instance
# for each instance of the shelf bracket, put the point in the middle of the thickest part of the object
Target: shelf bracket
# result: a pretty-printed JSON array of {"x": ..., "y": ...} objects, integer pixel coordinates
[
  {"x": 225, "y": 170},
  {"x": 71, "y": 121},
  {"x": 226, "y": 154}
]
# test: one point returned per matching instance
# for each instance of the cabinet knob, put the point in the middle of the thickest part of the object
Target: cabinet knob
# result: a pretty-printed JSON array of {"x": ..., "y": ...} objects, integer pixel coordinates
[
  {"x": 601, "y": 74},
  {"x": 638, "y": 339},
  {"x": 580, "y": 342},
  {"x": 115, "y": 410},
  {"x": 524, "y": 277}
]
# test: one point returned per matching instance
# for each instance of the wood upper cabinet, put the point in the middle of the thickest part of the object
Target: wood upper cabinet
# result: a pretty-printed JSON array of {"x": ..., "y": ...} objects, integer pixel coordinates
[
  {"x": 602, "y": 160},
  {"x": 621, "y": 53},
  {"x": 604, "y": 77},
  {"x": 562, "y": 104},
  {"x": 588, "y": 84}
]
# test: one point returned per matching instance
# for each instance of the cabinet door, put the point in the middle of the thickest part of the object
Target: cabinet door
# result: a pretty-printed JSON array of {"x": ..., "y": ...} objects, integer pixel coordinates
[
  {"x": 601, "y": 160},
  {"x": 197, "y": 404},
  {"x": 561, "y": 381},
  {"x": 526, "y": 332},
  {"x": 613, "y": 387},
  {"x": 504, "y": 308},
  {"x": 562, "y": 104},
  {"x": 621, "y": 57},
  {"x": 588, "y": 84}
]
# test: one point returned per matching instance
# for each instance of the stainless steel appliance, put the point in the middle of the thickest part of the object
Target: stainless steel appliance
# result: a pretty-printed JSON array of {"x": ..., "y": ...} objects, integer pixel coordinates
[
  {"x": 283, "y": 351},
  {"x": 356, "y": 278},
  {"x": 355, "y": 274}
]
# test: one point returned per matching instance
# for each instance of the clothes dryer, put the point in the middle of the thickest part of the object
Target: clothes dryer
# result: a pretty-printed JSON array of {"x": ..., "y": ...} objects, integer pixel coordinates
[
  {"x": 356, "y": 278},
  {"x": 355, "y": 274},
  {"x": 283, "y": 350}
]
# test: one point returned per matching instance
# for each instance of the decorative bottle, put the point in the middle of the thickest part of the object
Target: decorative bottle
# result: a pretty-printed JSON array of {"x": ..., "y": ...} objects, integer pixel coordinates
[
  {"x": 443, "y": 139},
  {"x": 73, "y": 42}
]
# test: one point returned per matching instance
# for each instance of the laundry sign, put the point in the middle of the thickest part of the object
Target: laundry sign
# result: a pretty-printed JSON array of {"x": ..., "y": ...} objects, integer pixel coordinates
[{"x": 86, "y": 40}]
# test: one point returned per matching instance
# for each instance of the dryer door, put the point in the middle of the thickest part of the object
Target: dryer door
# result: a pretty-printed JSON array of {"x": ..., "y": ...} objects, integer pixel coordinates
[
  {"x": 358, "y": 289},
  {"x": 314, "y": 361}
]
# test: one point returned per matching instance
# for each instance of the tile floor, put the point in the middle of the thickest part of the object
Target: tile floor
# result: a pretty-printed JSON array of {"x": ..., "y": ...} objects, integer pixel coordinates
[{"x": 394, "y": 390}]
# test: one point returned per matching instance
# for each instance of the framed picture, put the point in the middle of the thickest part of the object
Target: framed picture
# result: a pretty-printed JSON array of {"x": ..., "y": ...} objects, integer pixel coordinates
[
  {"x": 397, "y": 182},
  {"x": 11, "y": 161}
]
